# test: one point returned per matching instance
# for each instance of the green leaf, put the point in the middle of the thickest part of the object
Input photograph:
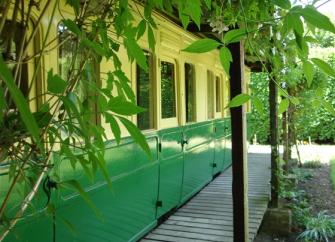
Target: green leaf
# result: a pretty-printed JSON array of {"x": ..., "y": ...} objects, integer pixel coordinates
[
  {"x": 151, "y": 39},
  {"x": 56, "y": 84},
  {"x": 135, "y": 52},
  {"x": 324, "y": 66},
  {"x": 329, "y": 107},
  {"x": 258, "y": 104},
  {"x": 141, "y": 28},
  {"x": 283, "y": 106},
  {"x": 308, "y": 68},
  {"x": 225, "y": 58},
  {"x": 314, "y": 17},
  {"x": 72, "y": 26},
  {"x": 202, "y": 45},
  {"x": 22, "y": 105},
  {"x": 234, "y": 35},
  {"x": 97, "y": 48},
  {"x": 75, "y": 186},
  {"x": 208, "y": 3},
  {"x": 75, "y": 4},
  {"x": 114, "y": 126},
  {"x": 294, "y": 100},
  {"x": 285, "y": 4},
  {"x": 194, "y": 10},
  {"x": 121, "y": 106},
  {"x": 239, "y": 100},
  {"x": 124, "y": 81},
  {"x": 136, "y": 134},
  {"x": 185, "y": 20}
]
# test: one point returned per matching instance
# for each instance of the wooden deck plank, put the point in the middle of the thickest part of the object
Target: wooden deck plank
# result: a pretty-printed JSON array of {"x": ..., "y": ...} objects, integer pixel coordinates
[{"x": 208, "y": 215}]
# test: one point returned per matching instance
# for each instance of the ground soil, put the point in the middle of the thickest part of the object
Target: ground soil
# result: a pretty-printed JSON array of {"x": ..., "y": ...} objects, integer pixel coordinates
[{"x": 321, "y": 197}]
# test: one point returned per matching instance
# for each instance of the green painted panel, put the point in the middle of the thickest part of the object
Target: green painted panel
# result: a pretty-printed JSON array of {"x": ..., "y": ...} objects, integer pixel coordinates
[
  {"x": 170, "y": 170},
  {"x": 128, "y": 208},
  {"x": 219, "y": 146},
  {"x": 228, "y": 144},
  {"x": 198, "y": 157}
]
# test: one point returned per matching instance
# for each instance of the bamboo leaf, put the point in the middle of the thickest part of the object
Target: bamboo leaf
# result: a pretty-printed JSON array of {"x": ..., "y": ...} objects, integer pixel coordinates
[
  {"x": 97, "y": 48},
  {"x": 285, "y": 4},
  {"x": 308, "y": 71},
  {"x": 283, "y": 106},
  {"x": 124, "y": 81},
  {"x": 202, "y": 45},
  {"x": 151, "y": 39},
  {"x": 55, "y": 83},
  {"x": 136, "y": 134},
  {"x": 22, "y": 105},
  {"x": 74, "y": 185},
  {"x": 114, "y": 126},
  {"x": 258, "y": 104},
  {"x": 324, "y": 66},
  {"x": 233, "y": 36},
  {"x": 239, "y": 100},
  {"x": 225, "y": 58},
  {"x": 72, "y": 26},
  {"x": 135, "y": 52},
  {"x": 317, "y": 19},
  {"x": 141, "y": 28},
  {"x": 120, "y": 106}
]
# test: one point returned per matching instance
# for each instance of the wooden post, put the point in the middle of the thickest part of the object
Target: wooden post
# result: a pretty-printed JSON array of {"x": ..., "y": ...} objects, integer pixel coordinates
[
  {"x": 273, "y": 102},
  {"x": 239, "y": 148}
]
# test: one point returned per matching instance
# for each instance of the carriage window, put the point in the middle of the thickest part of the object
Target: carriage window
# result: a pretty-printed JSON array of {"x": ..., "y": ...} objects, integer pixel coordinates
[
  {"x": 218, "y": 97},
  {"x": 210, "y": 95},
  {"x": 90, "y": 72},
  {"x": 9, "y": 50},
  {"x": 168, "y": 94},
  {"x": 190, "y": 93},
  {"x": 144, "y": 94}
]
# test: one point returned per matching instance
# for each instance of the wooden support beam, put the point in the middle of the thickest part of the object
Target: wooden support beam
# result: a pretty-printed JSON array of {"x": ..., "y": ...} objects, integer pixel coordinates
[
  {"x": 274, "y": 134},
  {"x": 239, "y": 148}
]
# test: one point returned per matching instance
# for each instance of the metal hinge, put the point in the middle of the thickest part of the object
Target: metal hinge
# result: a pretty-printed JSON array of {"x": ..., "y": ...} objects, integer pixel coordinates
[
  {"x": 214, "y": 165},
  {"x": 160, "y": 147},
  {"x": 214, "y": 129}
]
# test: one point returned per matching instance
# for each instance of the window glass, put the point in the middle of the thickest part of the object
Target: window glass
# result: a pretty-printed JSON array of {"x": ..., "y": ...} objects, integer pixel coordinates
[
  {"x": 210, "y": 95},
  {"x": 144, "y": 94},
  {"x": 9, "y": 49},
  {"x": 168, "y": 94},
  {"x": 190, "y": 93},
  {"x": 218, "y": 97}
]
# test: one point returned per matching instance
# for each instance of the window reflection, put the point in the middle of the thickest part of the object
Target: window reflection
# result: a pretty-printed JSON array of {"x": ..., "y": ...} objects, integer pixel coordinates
[
  {"x": 210, "y": 95},
  {"x": 144, "y": 94},
  {"x": 190, "y": 93},
  {"x": 168, "y": 94}
]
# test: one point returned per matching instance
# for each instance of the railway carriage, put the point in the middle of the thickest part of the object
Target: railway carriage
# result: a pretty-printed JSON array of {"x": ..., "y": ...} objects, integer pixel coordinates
[{"x": 186, "y": 126}]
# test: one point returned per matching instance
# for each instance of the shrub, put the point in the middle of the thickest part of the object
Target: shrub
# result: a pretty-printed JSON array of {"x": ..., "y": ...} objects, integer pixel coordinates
[
  {"x": 319, "y": 228},
  {"x": 312, "y": 164}
]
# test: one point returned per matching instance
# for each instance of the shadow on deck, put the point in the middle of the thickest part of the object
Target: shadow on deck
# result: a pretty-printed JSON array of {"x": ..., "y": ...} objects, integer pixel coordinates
[{"x": 208, "y": 215}]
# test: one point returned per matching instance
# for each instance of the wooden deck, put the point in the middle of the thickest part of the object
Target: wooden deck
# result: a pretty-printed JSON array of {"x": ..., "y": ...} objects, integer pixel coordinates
[{"x": 208, "y": 215}]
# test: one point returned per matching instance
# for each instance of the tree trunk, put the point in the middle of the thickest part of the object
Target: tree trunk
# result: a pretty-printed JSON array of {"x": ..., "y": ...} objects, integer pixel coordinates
[{"x": 285, "y": 142}]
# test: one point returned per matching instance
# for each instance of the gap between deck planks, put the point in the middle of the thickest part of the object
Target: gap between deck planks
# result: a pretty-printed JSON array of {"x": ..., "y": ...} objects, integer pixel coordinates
[{"x": 208, "y": 215}]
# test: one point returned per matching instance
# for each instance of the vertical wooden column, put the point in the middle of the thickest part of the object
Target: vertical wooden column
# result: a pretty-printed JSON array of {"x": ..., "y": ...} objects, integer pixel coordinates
[
  {"x": 273, "y": 102},
  {"x": 239, "y": 148}
]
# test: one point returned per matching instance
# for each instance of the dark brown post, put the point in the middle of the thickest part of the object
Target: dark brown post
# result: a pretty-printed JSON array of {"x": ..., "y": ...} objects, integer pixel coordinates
[
  {"x": 239, "y": 148},
  {"x": 273, "y": 102}
]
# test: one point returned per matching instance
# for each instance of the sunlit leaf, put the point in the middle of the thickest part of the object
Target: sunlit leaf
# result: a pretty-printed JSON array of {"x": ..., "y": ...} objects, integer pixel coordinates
[
  {"x": 136, "y": 134},
  {"x": 135, "y": 52},
  {"x": 285, "y": 4},
  {"x": 308, "y": 71},
  {"x": 151, "y": 39},
  {"x": 202, "y": 45},
  {"x": 319, "y": 20},
  {"x": 283, "y": 105},
  {"x": 258, "y": 104},
  {"x": 234, "y": 35},
  {"x": 114, "y": 127},
  {"x": 121, "y": 106},
  {"x": 324, "y": 66},
  {"x": 329, "y": 107},
  {"x": 239, "y": 100},
  {"x": 141, "y": 28}
]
